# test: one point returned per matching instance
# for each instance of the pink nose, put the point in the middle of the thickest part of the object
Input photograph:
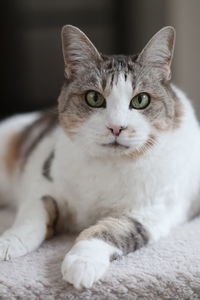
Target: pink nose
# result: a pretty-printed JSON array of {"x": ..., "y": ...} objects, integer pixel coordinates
[{"x": 116, "y": 130}]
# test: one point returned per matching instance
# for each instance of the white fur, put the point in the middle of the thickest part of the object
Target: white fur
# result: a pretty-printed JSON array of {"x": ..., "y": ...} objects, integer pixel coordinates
[
  {"x": 87, "y": 262},
  {"x": 27, "y": 232},
  {"x": 158, "y": 189}
]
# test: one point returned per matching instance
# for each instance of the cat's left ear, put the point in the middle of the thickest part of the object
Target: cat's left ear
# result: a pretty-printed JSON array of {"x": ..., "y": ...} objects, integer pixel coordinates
[
  {"x": 159, "y": 51},
  {"x": 78, "y": 50}
]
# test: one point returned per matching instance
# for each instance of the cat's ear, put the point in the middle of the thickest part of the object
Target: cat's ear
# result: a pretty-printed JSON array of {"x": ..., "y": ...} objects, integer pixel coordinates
[
  {"x": 159, "y": 50},
  {"x": 78, "y": 50}
]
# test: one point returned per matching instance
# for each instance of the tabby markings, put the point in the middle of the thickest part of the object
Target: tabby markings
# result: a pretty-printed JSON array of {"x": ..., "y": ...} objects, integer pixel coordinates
[
  {"x": 123, "y": 232},
  {"x": 46, "y": 170}
]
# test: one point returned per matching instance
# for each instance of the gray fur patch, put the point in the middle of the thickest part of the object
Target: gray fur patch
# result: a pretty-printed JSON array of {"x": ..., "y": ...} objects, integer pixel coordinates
[
  {"x": 46, "y": 170},
  {"x": 123, "y": 232},
  {"x": 133, "y": 239}
]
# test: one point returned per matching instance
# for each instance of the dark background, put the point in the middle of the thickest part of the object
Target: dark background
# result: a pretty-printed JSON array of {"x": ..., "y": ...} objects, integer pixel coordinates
[{"x": 31, "y": 57}]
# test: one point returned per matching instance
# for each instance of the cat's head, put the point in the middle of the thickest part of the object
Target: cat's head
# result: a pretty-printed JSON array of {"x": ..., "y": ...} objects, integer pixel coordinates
[{"x": 117, "y": 105}]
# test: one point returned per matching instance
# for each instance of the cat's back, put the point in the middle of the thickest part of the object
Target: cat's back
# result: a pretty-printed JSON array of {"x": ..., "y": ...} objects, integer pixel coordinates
[
  {"x": 19, "y": 137},
  {"x": 10, "y": 130}
]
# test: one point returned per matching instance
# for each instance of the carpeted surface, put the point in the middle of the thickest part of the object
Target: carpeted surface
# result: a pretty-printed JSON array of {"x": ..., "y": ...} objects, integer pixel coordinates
[{"x": 167, "y": 270}]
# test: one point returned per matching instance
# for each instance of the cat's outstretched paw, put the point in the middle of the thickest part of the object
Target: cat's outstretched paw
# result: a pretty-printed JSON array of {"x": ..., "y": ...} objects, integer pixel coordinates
[
  {"x": 86, "y": 262},
  {"x": 10, "y": 247},
  {"x": 83, "y": 271}
]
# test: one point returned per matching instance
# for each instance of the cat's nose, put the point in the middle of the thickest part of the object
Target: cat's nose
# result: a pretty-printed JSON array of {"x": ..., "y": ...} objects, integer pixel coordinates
[{"x": 116, "y": 130}]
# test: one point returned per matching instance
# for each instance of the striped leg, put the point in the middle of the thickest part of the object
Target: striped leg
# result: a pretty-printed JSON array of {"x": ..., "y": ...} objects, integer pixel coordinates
[{"x": 96, "y": 246}]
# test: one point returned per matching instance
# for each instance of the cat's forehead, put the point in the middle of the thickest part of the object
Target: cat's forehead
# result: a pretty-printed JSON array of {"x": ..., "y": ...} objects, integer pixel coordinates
[
  {"x": 113, "y": 72},
  {"x": 121, "y": 87},
  {"x": 116, "y": 69},
  {"x": 118, "y": 63}
]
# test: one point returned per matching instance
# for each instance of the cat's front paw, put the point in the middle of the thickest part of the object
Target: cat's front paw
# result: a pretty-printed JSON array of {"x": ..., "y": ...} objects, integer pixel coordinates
[
  {"x": 10, "y": 247},
  {"x": 83, "y": 271}
]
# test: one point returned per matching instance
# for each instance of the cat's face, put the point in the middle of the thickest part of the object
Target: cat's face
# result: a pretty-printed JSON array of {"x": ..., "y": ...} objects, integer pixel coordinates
[{"x": 117, "y": 105}]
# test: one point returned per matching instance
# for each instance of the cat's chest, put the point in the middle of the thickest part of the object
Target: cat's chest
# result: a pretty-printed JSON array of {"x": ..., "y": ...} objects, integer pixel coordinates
[
  {"x": 98, "y": 182},
  {"x": 93, "y": 190}
]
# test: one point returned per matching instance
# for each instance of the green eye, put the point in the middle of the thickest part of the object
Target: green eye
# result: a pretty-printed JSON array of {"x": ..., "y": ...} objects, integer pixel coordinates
[
  {"x": 140, "y": 101},
  {"x": 95, "y": 99}
]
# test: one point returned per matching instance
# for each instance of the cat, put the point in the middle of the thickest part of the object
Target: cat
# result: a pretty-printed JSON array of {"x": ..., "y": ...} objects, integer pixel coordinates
[{"x": 118, "y": 161}]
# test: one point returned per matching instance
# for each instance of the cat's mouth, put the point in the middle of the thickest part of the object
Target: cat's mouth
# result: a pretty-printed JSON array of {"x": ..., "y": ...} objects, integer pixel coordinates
[{"x": 116, "y": 145}]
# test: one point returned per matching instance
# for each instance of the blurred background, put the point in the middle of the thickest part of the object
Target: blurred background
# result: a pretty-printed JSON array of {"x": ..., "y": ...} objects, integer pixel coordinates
[{"x": 31, "y": 57}]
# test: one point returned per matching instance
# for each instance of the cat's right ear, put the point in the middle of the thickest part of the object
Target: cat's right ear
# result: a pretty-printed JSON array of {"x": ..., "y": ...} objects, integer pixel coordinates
[{"x": 78, "y": 50}]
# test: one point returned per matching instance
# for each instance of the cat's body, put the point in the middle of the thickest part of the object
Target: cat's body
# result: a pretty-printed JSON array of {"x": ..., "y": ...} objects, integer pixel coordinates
[
  {"x": 138, "y": 172},
  {"x": 117, "y": 184}
]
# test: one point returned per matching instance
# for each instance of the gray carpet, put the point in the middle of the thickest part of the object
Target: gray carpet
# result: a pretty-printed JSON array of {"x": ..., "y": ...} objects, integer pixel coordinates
[{"x": 169, "y": 269}]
